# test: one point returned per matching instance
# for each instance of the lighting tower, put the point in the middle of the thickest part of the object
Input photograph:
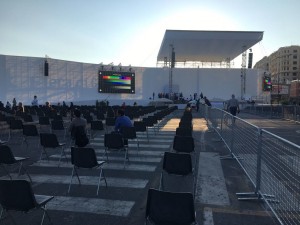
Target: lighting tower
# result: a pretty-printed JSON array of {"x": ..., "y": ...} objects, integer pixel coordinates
[{"x": 243, "y": 72}]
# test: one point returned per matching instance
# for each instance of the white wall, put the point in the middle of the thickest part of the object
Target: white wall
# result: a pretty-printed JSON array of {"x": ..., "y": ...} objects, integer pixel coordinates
[{"x": 23, "y": 77}]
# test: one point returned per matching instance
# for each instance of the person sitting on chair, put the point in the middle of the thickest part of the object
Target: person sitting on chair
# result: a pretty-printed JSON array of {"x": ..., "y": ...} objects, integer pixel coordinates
[
  {"x": 79, "y": 122},
  {"x": 122, "y": 121}
]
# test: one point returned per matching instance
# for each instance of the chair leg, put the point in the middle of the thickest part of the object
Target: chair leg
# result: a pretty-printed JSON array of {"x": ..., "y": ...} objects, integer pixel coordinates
[
  {"x": 126, "y": 156},
  {"x": 160, "y": 182},
  {"x": 44, "y": 151},
  {"x": 22, "y": 167},
  {"x": 45, "y": 213},
  {"x": 100, "y": 178},
  {"x": 10, "y": 216},
  {"x": 74, "y": 169},
  {"x": 6, "y": 171}
]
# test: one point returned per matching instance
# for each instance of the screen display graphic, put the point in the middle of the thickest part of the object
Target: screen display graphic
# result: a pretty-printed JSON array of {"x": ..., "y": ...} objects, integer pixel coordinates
[{"x": 116, "y": 82}]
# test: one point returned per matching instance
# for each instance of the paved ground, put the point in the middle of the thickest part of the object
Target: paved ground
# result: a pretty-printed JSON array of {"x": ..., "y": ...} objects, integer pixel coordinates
[{"x": 124, "y": 200}]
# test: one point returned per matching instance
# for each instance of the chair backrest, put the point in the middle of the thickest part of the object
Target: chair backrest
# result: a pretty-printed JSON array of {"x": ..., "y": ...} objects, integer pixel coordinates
[
  {"x": 184, "y": 131},
  {"x": 128, "y": 132},
  {"x": 48, "y": 140},
  {"x": 17, "y": 195},
  {"x": 30, "y": 130},
  {"x": 28, "y": 118},
  {"x": 16, "y": 125},
  {"x": 79, "y": 135},
  {"x": 57, "y": 125},
  {"x": 166, "y": 208},
  {"x": 110, "y": 121},
  {"x": 44, "y": 120},
  {"x": 113, "y": 141},
  {"x": 6, "y": 155},
  {"x": 183, "y": 144},
  {"x": 179, "y": 164},
  {"x": 97, "y": 125},
  {"x": 140, "y": 126},
  {"x": 83, "y": 157}
]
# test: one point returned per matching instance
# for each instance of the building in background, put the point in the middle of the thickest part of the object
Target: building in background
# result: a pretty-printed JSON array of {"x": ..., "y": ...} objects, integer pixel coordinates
[{"x": 283, "y": 66}]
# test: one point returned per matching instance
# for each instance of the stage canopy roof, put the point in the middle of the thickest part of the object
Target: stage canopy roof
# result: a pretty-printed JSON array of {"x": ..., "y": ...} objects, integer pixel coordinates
[{"x": 206, "y": 46}]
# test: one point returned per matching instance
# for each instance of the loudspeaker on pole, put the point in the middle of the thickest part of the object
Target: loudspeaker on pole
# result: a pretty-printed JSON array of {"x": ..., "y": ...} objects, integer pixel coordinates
[
  {"x": 46, "y": 68},
  {"x": 250, "y": 60}
]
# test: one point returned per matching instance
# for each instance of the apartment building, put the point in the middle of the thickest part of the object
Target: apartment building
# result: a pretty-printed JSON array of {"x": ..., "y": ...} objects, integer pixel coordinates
[{"x": 283, "y": 65}]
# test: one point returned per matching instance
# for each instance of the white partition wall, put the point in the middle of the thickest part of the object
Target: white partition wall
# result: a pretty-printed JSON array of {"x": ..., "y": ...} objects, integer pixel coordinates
[{"x": 23, "y": 77}]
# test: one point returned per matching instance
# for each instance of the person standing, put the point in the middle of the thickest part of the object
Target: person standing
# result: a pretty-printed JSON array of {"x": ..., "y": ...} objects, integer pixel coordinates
[
  {"x": 197, "y": 104},
  {"x": 207, "y": 102},
  {"x": 233, "y": 105},
  {"x": 35, "y": 101}
]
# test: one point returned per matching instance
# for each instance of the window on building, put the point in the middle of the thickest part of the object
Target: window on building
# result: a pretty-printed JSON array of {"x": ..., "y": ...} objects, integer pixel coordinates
[
  {"x": 295, "y": 57},
  {"x": 294, "y": 62},
  {"x": 294, "y": 74},
  {"x": 294, "y": 68},
  {"x": 295, "y": 50}
]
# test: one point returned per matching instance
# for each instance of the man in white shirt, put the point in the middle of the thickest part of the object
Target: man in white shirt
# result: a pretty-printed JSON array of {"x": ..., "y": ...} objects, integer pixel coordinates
[
  {"x": 233, "y": 105},
  {"x": 35, "y": 101}
]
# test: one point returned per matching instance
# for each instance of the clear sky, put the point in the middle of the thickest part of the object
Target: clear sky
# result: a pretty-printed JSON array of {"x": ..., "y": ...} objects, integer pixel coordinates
[{"x": 131, "y": 31}]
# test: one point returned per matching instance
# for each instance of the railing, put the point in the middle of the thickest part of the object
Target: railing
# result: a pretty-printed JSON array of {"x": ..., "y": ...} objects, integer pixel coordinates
[
  {"x": 290, "y": 112},
  {"x": 270, "y": 162}
]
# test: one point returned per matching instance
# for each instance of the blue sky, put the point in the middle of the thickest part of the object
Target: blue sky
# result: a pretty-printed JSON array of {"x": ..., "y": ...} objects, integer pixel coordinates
[{"x": 131, "y": 31}]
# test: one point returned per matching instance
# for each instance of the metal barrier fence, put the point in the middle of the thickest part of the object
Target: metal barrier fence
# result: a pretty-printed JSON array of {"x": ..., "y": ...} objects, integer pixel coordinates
[
  {"x": 291, "y": 112},
  {"x": 271, "y": 163}
]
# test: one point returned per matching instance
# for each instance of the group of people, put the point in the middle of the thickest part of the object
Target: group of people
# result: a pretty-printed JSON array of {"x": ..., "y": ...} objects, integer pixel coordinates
[
  {"x": 79, "y": 122},
  {"x": 232, "y": 105}
]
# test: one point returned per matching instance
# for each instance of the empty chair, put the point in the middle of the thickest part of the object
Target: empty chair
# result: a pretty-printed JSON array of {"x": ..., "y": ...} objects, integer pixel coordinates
[
  {"x": 140, "y": 126},
  {"x": 44, "y": 122},
  {"x": 57, "y": 127},
  {"x": 29, "y": 130},
  {"x": 168, "y": 208},
  {"x": 49, "y": 140},
  {"x": 114, "y": 141},
  {"x": 27, "y": 118},
  {"x": 178, "y": 166},
  {"x": 85, "y": 158},
  {"x": 109, "y": 122},
  {"x": 17, "y": 195},
  {"x": 7, "y": 159},
  {"x": 14, "y": 127},
  {"x": 184, "y": 131},
  {"x": 129, "y": 133},
  {"x": 184, "y": 144},
  {"x": 96, "y": 126}
]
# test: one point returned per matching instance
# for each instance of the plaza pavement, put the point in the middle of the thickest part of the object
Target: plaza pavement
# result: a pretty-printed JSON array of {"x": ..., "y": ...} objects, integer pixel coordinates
[{"x": 123, "y": 201}]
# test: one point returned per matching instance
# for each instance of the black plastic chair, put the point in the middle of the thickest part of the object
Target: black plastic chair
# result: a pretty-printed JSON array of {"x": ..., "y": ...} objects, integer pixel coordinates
[
  {"x": 129, "y": 133},
  {"x": 29, "y": 130},
  {"x": 184, "y": 144},
  {"x": 85, "y": 158},
  {"x": 7, "y": 159},
  {"x": 14, "y": 127},
  {"x": 49, "y": 140},
  {"x": 58, "y": 128},
  {"x": 184, "y": 131},
  {"x": 44, "y": 122},
  {"x": 109, "y": 122},
  {"x": 17, "y": 195},
  {"x": 168, "y": 208},
  {"x": 140, "y": 126},
  {"x": 114, "y": 141},
  {"x": 96, "y": 126},
  {"x": 178, "y": 165}
]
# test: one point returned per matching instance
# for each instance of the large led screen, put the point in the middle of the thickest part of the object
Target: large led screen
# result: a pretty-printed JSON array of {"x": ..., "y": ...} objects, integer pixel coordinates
[{"x": 116, "y": 82}]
